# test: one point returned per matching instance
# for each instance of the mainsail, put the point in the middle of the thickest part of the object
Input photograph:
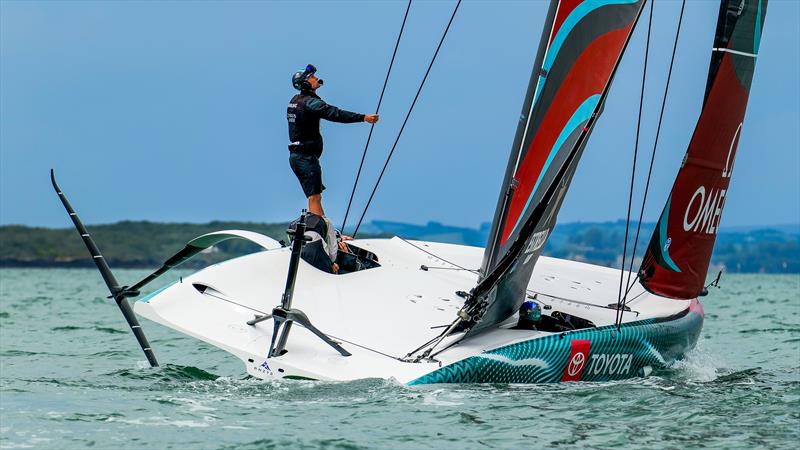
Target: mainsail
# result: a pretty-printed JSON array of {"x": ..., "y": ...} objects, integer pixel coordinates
[
  {"x": 677, "y": 258},
  {"x": 582, "y": 44}
]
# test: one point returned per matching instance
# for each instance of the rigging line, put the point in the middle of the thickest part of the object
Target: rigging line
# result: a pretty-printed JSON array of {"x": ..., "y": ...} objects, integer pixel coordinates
[
  {"x": 424, "y": 267},
  {"x": 329, "y": 335},
  {"x": 416, "y": 350},
  {"x": 618, "y": 318},
  {"x": 630, "y": 285},
  {"x": 237, "y": 304},
  {"x": 366, "y": 348},
  {"x": 637, "y": 297},
  {"x": 569, "y": 300},
  {"x": 437, "y": 257},
  {"x": 391, "y": 152},
  {"x": 378, "y": 108},
  {"x": 655, "y": 146}
]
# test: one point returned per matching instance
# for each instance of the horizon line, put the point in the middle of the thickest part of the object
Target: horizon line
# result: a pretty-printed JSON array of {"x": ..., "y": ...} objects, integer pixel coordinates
[{"x": 476, "y": 228}]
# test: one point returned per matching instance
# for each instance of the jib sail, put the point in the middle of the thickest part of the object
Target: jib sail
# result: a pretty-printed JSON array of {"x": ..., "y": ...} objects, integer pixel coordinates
[
  {"x": 677, "y": 258},
  {"x": 581, "y": 46}
]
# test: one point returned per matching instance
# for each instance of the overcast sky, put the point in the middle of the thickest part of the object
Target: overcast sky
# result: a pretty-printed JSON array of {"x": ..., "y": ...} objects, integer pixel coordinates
[{"x": 175, "y": 111}]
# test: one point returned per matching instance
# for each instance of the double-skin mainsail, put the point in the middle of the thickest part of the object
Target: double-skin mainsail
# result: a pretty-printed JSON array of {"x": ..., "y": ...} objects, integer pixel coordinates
[{"x": 582, "y": 44}]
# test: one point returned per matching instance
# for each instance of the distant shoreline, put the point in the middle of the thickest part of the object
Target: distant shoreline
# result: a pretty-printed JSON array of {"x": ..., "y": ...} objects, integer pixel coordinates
[{"x": 145, "y": 245}]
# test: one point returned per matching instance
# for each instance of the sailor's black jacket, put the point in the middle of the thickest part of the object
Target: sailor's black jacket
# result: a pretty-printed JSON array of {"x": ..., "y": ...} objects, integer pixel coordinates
[{"x": 304, "y": 113}]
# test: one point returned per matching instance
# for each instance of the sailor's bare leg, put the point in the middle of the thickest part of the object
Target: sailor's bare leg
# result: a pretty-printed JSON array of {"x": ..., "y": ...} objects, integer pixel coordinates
[{"x": 315, "y": 205}]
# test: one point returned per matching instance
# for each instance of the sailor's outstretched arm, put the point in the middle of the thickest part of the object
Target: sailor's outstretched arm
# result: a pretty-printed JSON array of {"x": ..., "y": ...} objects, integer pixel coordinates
[{"x": 332, "y": 113}]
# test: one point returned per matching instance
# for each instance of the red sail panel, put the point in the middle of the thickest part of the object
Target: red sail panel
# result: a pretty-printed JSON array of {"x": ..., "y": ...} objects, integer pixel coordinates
[
  {"x": 677, "y": 260},
  {"x": 565, "y": 7},
  {"x": 560, "y": 97},
  {"x": 587, "y": 78}
]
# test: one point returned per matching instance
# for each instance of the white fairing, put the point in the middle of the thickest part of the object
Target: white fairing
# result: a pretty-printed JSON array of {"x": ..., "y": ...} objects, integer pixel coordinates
[
  {"x": 380, "y": 315},
  {"x": 265, "y": 242}
]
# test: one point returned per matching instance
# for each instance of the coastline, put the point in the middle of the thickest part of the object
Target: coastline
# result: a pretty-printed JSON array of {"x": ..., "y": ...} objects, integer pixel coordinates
[{"x": 144, "y": 245}]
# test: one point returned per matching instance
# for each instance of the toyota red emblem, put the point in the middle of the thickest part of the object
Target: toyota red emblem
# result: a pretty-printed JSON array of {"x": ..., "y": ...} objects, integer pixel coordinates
[
  {"x": 576, "y": 360},
  {"x": 576, "y": 364}
]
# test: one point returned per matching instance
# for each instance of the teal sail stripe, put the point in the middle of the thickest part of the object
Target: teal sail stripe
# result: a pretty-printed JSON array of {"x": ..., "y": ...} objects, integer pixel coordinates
[
  {"x": 757, "y": 33},
  {"x": 662, "y": 237},
  {"x": 569, "y": 23},
  {"x": 581, "y": 115}
]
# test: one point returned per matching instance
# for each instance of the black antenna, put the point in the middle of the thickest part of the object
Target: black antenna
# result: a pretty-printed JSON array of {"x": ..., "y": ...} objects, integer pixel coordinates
[{"x": 118, "y": 293}]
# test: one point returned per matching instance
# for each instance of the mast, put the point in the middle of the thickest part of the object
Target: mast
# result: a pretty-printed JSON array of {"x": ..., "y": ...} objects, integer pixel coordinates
[
  {"x": 679, "y": 253},
  {"x": 585, "y": 42},
  {"x": 509, "y": 184}
]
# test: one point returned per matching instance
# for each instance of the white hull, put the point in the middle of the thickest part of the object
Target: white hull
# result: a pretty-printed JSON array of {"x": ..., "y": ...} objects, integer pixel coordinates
[{"x": 382, "y": 314}]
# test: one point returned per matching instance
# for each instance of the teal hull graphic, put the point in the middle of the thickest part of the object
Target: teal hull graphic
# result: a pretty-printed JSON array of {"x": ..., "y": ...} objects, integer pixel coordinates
[{"x": 610, "y": 354}]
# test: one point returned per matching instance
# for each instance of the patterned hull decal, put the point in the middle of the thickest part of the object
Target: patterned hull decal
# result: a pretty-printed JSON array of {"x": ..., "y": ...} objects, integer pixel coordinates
[{"x": 594, "y": 354}]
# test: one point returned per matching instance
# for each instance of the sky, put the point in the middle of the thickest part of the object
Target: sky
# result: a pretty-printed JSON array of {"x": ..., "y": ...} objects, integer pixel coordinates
[{"x": 175, "y": 111}]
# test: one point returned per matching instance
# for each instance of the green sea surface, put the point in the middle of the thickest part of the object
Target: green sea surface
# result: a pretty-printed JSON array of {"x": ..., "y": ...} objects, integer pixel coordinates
[{"x": 72, "y": 376}]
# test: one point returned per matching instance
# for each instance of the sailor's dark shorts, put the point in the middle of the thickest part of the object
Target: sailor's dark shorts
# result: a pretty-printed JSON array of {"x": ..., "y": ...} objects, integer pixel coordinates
[{"x": 308, "y": 171}]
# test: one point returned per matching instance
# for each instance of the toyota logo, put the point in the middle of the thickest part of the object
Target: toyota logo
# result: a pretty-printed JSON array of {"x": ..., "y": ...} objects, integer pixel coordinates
[{"x": 576, "y": 364}]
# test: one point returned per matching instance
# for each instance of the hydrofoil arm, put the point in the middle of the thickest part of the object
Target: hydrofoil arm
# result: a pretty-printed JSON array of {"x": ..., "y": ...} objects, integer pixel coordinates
[
  {"x": 201, "y": 243},
  {"x": 118, "y": 293}
]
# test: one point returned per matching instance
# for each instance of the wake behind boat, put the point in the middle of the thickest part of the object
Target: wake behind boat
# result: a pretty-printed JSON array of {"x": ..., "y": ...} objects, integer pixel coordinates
[{"x": 424, "y": 312}]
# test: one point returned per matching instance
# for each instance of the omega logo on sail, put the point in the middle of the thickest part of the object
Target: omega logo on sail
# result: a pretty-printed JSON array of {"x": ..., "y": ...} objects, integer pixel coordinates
[
  {"x": 706, "y": 217},
  {"x": 726, "y": 173}
]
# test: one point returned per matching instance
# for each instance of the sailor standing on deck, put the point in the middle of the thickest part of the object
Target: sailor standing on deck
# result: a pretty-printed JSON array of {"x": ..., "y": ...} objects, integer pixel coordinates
[{"x": 304, "y": 113}]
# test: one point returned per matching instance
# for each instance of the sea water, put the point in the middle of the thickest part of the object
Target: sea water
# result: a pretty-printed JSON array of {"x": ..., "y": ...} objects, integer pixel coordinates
[{"x": 72, "y": 376}]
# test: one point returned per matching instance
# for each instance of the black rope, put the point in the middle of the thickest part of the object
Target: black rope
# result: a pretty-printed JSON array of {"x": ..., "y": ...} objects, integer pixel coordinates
[
  {"x": 618, "y": 317},
  {"x": 378, "y": 108},
  {"x": 653, "y": 155},
  {"x": 331, "y": 336},
  {"x": 437, "y": 257},
  {"x": 427, "y": 268},
  {"x": 366, "y": 348},
  {"x": 569, "y": 300},
  {"x": 391, "y": 152}
]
